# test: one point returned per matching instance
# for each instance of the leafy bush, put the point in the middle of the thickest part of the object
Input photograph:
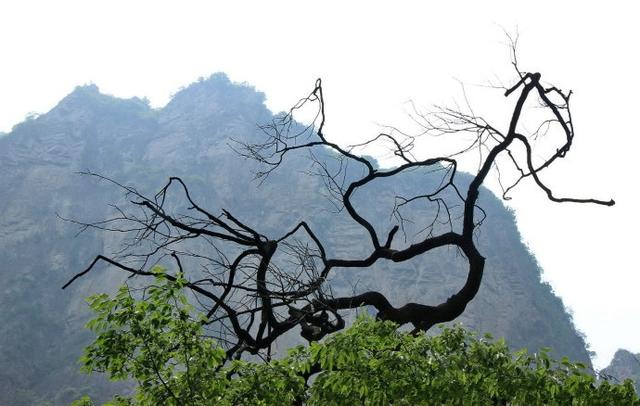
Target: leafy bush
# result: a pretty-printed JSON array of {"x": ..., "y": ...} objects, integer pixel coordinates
[{"x": 159, "y": 342}]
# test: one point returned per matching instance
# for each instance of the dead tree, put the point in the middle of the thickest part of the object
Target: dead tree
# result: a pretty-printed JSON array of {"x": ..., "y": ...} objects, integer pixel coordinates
[{"x": 249, "y": 301}]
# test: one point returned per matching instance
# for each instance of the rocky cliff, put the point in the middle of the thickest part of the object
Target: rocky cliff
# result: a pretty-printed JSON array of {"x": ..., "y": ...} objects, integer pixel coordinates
[
  {"x": 624, "y": 365},
  {"x": 41, "y": 334}
]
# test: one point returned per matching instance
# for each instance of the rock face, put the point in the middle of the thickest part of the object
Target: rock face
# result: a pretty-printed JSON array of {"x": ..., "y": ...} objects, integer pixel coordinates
[
  {"x": 624, "y": 365},
  {"x": 41, "y": 333}
]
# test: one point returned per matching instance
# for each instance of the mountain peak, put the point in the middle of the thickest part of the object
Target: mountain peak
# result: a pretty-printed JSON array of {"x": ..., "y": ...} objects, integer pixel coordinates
[
  {"x": 89, "y": 98},
  {"x": 622, "y": 353},
  {"x": 625, "y": 365},
  {"x": 627, "y": 359},
  {"x": 89, "y": 88},
  {"x": 216, "y": 94},
  {"x": 82, "y": 93}
]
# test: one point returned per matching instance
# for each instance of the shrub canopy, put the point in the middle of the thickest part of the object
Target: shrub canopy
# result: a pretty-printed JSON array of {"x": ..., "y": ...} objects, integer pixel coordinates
[{"x": 158, "y": 341}]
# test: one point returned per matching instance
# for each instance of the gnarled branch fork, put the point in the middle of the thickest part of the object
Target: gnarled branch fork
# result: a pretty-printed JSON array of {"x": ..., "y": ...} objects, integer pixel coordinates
[{"x": 249, "y": 301}]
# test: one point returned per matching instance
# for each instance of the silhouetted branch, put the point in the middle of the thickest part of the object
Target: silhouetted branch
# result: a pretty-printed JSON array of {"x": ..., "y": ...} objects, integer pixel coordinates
[{"x": 252, "y": 289}]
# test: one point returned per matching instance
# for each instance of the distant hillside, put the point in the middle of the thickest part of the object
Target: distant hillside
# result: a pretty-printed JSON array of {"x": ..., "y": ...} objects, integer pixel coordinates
[
  {"x": 41, "y": 333},
  {"x": 624, "y": 365}
]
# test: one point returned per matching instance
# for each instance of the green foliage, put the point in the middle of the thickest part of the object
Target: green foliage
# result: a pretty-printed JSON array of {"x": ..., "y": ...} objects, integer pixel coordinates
[
  {"x": 373, "y": 363},
  {"x": 155, "y": 341},
  {"x": 160, "y": 343}
]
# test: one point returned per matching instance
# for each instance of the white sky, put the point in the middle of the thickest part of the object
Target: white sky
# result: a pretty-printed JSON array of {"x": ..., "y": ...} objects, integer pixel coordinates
[{"x": 373, "y": 57}]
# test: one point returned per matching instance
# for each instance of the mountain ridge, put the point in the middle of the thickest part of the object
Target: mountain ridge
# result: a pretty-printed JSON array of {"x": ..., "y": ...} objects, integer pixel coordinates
[{"x": 129, "y": 141}]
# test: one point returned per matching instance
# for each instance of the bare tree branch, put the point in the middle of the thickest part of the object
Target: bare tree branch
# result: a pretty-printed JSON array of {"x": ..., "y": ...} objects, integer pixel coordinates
[{"x": 252, "y": 288}]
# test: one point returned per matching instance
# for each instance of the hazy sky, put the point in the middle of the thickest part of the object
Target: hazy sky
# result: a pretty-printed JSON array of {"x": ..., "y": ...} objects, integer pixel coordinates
[{"x": 373, "y": 57}]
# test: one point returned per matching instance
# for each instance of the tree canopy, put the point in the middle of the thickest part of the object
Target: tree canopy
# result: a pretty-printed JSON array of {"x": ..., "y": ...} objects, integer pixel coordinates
[{"x": 154, "y": 337}]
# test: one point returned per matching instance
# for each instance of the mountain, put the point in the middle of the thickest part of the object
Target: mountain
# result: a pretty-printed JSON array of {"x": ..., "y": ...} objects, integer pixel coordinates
[
  {"x": 41, "y": 326},
  {"x": 624, "y": 365}
]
